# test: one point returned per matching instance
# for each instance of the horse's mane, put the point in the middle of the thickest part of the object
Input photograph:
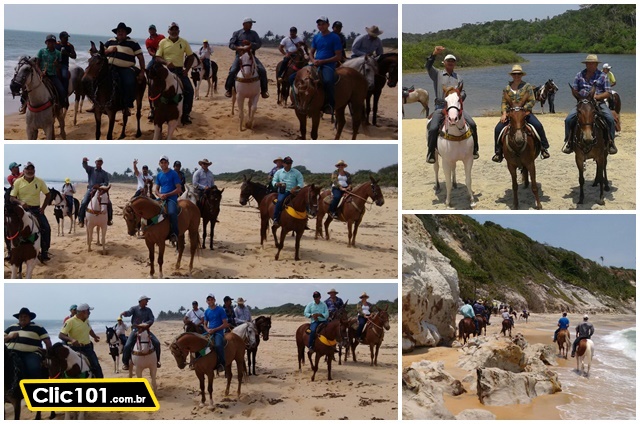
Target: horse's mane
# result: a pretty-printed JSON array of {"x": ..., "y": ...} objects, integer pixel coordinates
[{"x": 387, "y": 55}]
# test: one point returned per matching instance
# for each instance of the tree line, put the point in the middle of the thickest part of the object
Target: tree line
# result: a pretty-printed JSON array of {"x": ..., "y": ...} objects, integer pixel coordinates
[{"x": 273, "y": 40}]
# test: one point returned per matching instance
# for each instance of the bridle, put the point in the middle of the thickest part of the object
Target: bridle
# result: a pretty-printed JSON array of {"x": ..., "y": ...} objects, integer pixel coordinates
[{"x": 311, "y": 83}]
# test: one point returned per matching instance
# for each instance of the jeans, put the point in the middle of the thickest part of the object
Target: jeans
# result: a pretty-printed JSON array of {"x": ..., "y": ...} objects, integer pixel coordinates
[
  {"x": 45, "y": 228},
  {"x": 127, "y": 85},
  {"x": 218, "y": 344},
  {"x": 337, "y": 195},
  {"x": 69, "y": 203},
  {"x": 85, "y": 203},
  {"x": 187, "y": 102},
  {"x": 312, "y": 336},
  {"x": 531, "y": 119},
  {"x": 206, "y": 63},
  {"x": 235, "y": 68},
  {"x": 361, "y": 322},
  {"x": 60, "y": 88},
  {"x": 329, "y": 83},
  {"x": 278, "y": 209},
  {"x": 123, "y": 339},
  {"x": 32, "y": 362},
  {"x": 283, "y": 67},
  {"x": 572, "y": 119},
  {"x": 151, "y": 62},
  {"x": 128, "y": 346},
  {"x": 436, "y": 122},
  {"x": 88, "y": 351},
  {"x": 64, "y": 77},
  {"x": 172, "y": 210}
]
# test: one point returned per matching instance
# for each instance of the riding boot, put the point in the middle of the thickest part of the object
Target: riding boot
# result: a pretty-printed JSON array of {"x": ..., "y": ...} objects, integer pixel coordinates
[
  {"x": 544, "y": 153},
  {"x": 431, "y": 147},
  {"x": 499, "y": 155},
  {"x": 612, "y": 147},
  {"x": 474, "y": 134},
  {"x": 567, "y": 148}
]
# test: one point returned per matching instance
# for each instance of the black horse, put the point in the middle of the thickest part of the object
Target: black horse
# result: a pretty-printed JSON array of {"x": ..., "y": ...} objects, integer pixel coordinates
[
  {"x": 263, "y": 325},
  {"x": 12, "y": 375}
]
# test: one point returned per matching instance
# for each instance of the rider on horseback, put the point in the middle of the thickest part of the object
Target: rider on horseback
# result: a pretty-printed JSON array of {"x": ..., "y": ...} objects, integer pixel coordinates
[
  {"x": 121, "y": 330},
  {"x": 584, "y": 81},
  {"x": 205, "y": 53},
  {"x": 326, "y": 52},
  {"x": 96, "y": 177},
  {"x": 15, "y": 173},
  {"x": 67, "y": 50},
  {"x": 337, "y": 29},
  {"x": 195, "y": 316},
  {"x": 583, "y": 331},
  {"x": 286, "y": 181},
  {"x": 479, "y": 309},
  {"x": 68, "y": 190},
  {"x": 25, "y": 340},
  {"x": 279, "y": 166},
  {"x": 49, "y": 60},
  {"x": 606, "y": 69},
  {"x": 445, "y": 78},
  {"x": 364, "y": 312},
  {"x": 368, "y": 44},
  {"x": 231, "y": 315},
  {"x": 144, "y": 179},
  {"x": 77, "y": 333},
  {"x": 563, "y": 324},
  {"x": 341, "y": 183},
  {"x": 215, "y": 320},
  {"x": 467, "y": 312},
  {"x": 168, "y": 189},
  {"x": 143, "y": 317},
  {"x": 243, "y": 314},
  {"x": 203, "y": 178},
  {"x": 318, "y": 312},
  {"x": 333, "y": 302},
  {"x": 289, "y": 47},
  {"x": 242, "y": 41}
]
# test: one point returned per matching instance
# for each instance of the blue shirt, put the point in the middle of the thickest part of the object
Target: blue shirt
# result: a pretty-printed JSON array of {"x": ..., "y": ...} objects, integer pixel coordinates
[
  {"x": 214, "y": 316},
  {"x": 317, "y": 308},
  {"x": 467, "y": 311},
  {"x": 564, "y": 323},
  {"x": 334, "y": 306},
  {"x": 326, "y": 46},
  {"x": 96, "y": 176},
  {"x": 167, "y": 182},
  {"x": 292, "y": 179},
  {"x": 599, "y": 79}
]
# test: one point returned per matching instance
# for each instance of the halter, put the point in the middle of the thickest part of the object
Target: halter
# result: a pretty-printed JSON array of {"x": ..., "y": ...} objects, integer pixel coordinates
[
  {"x": 30, "y": 227},
  {"x": 100, "y": 194},
  {"x": 253, "y": 66},
  {"x": 462, "y": 124}
]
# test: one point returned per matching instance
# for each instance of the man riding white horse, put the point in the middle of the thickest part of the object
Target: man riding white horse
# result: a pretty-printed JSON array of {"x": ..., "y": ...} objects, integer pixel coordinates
[
  {"x": 445, "y": 78},
  {"x": 242, "y": 41},
  {"x": 96, "y": 177},
  {"x": 141, "y": 317}
]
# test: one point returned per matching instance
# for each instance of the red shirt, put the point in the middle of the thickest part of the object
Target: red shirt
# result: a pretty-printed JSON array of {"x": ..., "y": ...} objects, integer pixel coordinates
[
  {"x": 11, "y": 178},
  {"x": 152, "y": 43}
]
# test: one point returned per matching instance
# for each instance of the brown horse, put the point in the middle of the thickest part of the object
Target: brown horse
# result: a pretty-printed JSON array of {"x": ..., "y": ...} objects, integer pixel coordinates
[
  {"x": 295, "y": 215},
  {"x": 615, "y": 105},
  {"x": 205, "y": 365},
  {"x": 157, "y": 234},
  {"x": 351, "y": 210},
  {"x": 209, "y": 205},
  {"x": 251, "y": 189},
  {"x": 298, "y": 61},
  {"x": 564, "y": 342},
  {"x": 482, "y": 323},
  {"x": 520, "y": 149},
  {"x": 506, "y": 326},
  {"x": 263, "y": 325},
  {"x": 589, "y": 139},
  {"x": 387, "y": 75},
  {"x": 99, "y": 85},
  {"x": 327, "y": 337},
  {"x": 466, "y": 327},
  {"x": 372, "y": 335},
  {"x": 22, "y": 234},
  {"x": 350, "y": 89}
]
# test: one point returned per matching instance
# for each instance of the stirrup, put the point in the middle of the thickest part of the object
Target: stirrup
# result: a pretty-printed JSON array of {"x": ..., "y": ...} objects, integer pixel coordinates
[
  {"x": 545, "y": 154},
  {"x": 567, "y": 148},
  {"x": 431, "y": 157},
  {"x": 476, "y": 155}
]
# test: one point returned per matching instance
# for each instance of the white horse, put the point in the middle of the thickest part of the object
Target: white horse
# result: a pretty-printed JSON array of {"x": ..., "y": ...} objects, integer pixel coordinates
[
  {"x": 97, "y": 217},
  {"x": 367, "y": 65},
  {"x": 419, "y": 95},
  {"x": 189, "y": 194},
  {"x": 455, "y": 143},
  {"x": 247, "y": 87},
  {"x": 42, "y": 107},
  {"x": 586, "y": 358},
  {"x": 247, "y": 332},
  {"x": 144, "y": 357},
  {"x": 26, "y": 252}
]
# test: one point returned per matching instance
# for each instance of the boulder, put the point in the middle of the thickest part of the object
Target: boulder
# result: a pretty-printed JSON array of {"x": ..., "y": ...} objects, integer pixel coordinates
[
  {"x": 498, "y": 387},
  {"x": 493, "y": 354},
  {"x": 475, "y": 414},
  {"x": 423, "y": 385}
]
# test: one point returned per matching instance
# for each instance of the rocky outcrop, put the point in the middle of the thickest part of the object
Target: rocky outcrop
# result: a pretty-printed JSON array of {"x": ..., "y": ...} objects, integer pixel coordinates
[
  {"x": 429, "y": 289},
  {"x": 475, "y": 414},
  {"x": 499, "y": 387}
]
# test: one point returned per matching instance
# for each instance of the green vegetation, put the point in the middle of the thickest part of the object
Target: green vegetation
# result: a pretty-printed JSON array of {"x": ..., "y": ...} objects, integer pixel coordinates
[
  {"x": 505, "y": 259},
  {"x": 597, "y": 28},
  {"x": 273, "y": 40}
]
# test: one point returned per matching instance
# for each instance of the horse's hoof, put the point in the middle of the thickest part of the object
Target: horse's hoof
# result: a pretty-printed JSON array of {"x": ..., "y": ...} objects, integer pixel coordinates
[
  {"x": 473, "y": 204},
  {"x": 600, "y": 202},
  {"x": 606, "y": 188}
]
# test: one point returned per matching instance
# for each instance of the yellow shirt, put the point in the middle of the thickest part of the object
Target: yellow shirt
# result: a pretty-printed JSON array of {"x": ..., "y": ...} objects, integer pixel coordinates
[
  {"x": 174, "y": 52},
  {"x": 29, "y": 192},
  {"x": 77, "y": 329}
]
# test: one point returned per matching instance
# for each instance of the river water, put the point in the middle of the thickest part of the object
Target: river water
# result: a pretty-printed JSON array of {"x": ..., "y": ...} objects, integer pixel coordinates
[{"x": 484, "y": 85}]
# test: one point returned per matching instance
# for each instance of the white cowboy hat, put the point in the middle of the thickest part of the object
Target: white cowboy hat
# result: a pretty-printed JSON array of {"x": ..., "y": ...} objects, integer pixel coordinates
[
  {"x": 240, "y": 301},
  {"x": 517, "y": 69},
  {"x": 332, "y": 291},
  {"x": 205, "y": 162},
  {"x": 373, "y": 31},
  {"x": 341, "y": 162},
  {"x": 591, "y": 58}
]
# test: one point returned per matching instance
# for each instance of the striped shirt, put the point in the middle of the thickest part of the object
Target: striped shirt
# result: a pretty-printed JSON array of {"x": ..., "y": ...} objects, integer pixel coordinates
[
  {"x": 516, "y": 96},
  {"x": 125, "y": 57},
  {"x": 174, "y": 51},
  {"x": 29, "y": 338},
  {"x": 599, "y": 79}
]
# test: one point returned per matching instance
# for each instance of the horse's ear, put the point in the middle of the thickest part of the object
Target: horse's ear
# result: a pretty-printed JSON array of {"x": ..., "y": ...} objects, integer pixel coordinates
[
  {"x": 386, "y": 308},
  {"x": 460, "y": 86},
  {"x": 101, "y": 48},
  {"x": 221, "y": 191},
  {"x": 244, "y": 178},
  {"x": 93, "y": 48},
  {"x": 575, "y": 92},
  {"x": 592, "y": 92}
]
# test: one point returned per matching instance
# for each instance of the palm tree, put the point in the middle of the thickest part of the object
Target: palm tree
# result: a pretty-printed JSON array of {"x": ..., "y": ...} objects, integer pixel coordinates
[{"x": 602, "y": 260}]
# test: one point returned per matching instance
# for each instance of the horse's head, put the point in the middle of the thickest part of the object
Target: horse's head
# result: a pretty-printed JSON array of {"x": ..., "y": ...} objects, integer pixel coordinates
[
  {"x": 453, "y": 105},
  {"x": 179, "y": 354},
  {"x": 300, "y": 58},
  {"x": 370, "y": 70},
  {"x": 383, "y": 316},
  {"x": 131, "y": 219},
  {"x": 158, "y": 76},
  {"x": 111, "y": 335},
  {"x": 517, "y": 122},
  {"x": 23, "y": 76},
  {"x": 586, "y": 112},
  {"x": 247, "y": 65},
  {"x": 390, "y": 62},
  {"x": 58, "y": 360},
  {"x": 376, "y": 192},
  {"x": 210, "y": 200},
  {"x": 15, "y": 219},
  {"x": 245, "y": 190},
  {"x": 312, "y": 199},
  {"x": 57, "y": 199},
  {"x": 100, "y": 199},
  {"x": 263, "y": 325},
  {"x": 97, "y": 63},
  {"x": 143, "y": 341},
  {"x": 306, "y": 85}
]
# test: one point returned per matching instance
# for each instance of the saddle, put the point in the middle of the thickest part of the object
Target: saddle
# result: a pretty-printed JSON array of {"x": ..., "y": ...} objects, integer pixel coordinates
[
  {"x": 161, "y": 216},
  {"x": 57, "y": 99},
  {"x": 405, "y": 93},
  {"x": 320, "y": 337}
]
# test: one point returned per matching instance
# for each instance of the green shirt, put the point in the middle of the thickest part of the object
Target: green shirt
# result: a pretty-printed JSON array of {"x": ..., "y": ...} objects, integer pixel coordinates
[
  {"x": 47, "y": 60},
  {"x": 292, "y": 179}
]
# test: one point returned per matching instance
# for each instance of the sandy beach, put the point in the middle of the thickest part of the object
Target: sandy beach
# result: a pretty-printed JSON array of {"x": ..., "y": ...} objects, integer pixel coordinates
[
  {"x": 237, "y": 252},
  {"x": 539, "y": 329},
  {"x": 278, "y": 392},
  {"x": 557, "y": 176},
  {"x": 212, "y": 119}
]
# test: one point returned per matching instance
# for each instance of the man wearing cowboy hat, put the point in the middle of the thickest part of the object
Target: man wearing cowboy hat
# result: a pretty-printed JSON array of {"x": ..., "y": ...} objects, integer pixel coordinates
[
  {"x": 26, "y": 193},
  {"x": 141, "y": 319},
  {"x": 368, "y": 43},
  {"x": 73, "y": 310},
  {"x": 25, "y": 340},
  {"x": 68, "y": 190},
  {"x": 445, "y": 78},
  {"x": 168, "y": 189},
  {"x": 364, "y": 311},
  {"x": 583, "y": 331},
  {"x": 15, "y": 173},
  {"x": 337, "y": 29},
  {"x": 175, "y": 50},
  {"x": 77, "y": 332},
  {"x": 243, "y": 314},
  {"x": 48, "y": 63},
  {"x": 203, "y": 178},
  {"x": 123, "y": 52},
  {"x": 97, "y": 177},
  {"x": 340, "y": 183},
  {"x": 279, "y": 165},
  {"x": 317, "y": 312},
  {"x": 286, "y": 181},
  {"x": 242, "y": 41},
  {"x": 333, "y": 301},
  {"x": 583, "y": 83}
]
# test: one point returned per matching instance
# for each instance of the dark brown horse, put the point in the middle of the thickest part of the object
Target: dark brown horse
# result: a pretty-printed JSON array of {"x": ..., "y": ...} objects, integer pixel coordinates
[
  {"x": 157, "y": 234},
  {"x": 372, "y": 335},
  {"x": 13, "y": 374},
  {"x": 263, "y": 325},
  {"x": 298, "y": 61},
  {"x": 387, "y": 75},
  {"x": 205, "y": 365},
  {"x": 351, "y": 210},
  {"x": 251, "y": 189},
  {"x": 520, "y": 149},
  {"x": 98, "y": 84},
  {"x": 350, "y": 90},
  {"x": 564, "y": 342},
  {"x": 327, "y": 337},
  {"x": 295, "y": 215},
  {"x": 466, "y": 327},
  {"x": 615, "y": 105},
  {"x": 209, "y": 205},
  {"x": 482, "y": 323},
  {"x": 506, "y": 326},
  {"x": 589, "y": 138}
]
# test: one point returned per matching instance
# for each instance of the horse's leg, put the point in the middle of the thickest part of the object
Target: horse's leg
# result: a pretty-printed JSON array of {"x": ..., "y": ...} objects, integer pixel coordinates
[
  {"x": 367, "y": 108},
  {"x": 357, "y": 115},
  {"x": 327, "y": 222},
  {"x": 125, "y": 119},
  {"x": 181, "y": 243},
  {"x": 151, "y": 248},
  {"x": 193, "y": 246},
  {"x": 89, "y": 237},
  {"x": 61, "y": 117},
  {"x": 240, "y": 369},
  {"x": 329, "y": 361},
  {"x": 350, "y": 229},
  {"x": 340, "y": 122},
  {"x": 298, "y": 237},
  {"x": 241, "y": 110},
  {"x": 604, "y": 174},
  {"x": 315, "y": 123},
  {"x": 98, "y": 118},
  {"x": 468, "y": 165},
  {"x": 153, "y": 370},
  {"x": 104, "y": 239},
  {"x": 319, "y": 219},
  {"x": 534, "y": 184},
  {"x": 205, "y": 221},
  {"x": 283, "y": 235},
  {"x": 315, "y": 368},
  {"x": 355, "y": 230},
  {"x": 227, "y": 373},
  {"x": 580, "y": 164},
  {"x": 514, "y": 183},
  {"x": 138, "y": 112},
  {"x": 600, "y": 178},
  {"x": 200, "y": 376},
  {"x": 371, "y": 347}
]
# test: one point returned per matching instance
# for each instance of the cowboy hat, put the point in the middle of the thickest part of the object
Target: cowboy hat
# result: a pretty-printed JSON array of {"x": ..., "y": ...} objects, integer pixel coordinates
[
  {"x": 205, "y": 162},
  {"x": 32, "y": 316},
  {"x": 144, "y": 297},
  {"x": 121, "y": 25},
  {"x": 364, "y": 295},
  {"x": 240, "y": 301},
  {"x": 332, "y": 291},
  {"x": 279, "y": 158},
  {"x": 341, "y": 162},
  {"x": 373, "y": 31},
  {"x": 591, "y": 58},
  {"x": 517, "y": 69}
]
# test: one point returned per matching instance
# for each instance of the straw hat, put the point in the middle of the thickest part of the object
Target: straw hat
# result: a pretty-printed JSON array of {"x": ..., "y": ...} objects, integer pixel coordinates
[
  {"x": 364, "y": 296},
  {"x": 591, "y": 58},
  {"x": 240, "y": 301},
  {"x": 517, "y": 69},
  {"x": 206, "y": 162},
  {"x": 67, "y": 180},
  {"x": 279, "y": 158},
  {"x": 373, "y": 31},
  {"x": 341, "y": 162},
  {"x": 332, "y": 291}
]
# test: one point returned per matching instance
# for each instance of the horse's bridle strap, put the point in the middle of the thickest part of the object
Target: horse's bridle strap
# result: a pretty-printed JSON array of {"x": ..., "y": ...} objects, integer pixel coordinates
[
  {"x": 247, "y": 80},
  {"x": 450, "y": 137}
]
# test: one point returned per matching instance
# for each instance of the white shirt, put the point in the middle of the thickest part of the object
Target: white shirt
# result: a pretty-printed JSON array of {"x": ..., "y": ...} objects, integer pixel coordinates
[
  {"x": 290, "y": 45},
  {"x": 342, "y": 180},
  {"x": 121, "y": 328},
  {"x": 365, "y": 310},
  {"x": 206, "y": 53},
  {"x": 505, "y": 315},
  {"x": 196, "y": 317},
  {"x": 68, "y": 189},
  {"x": 142, "y": 178}
]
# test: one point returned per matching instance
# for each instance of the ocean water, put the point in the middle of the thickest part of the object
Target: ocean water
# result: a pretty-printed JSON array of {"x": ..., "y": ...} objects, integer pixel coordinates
[{"x": 53, "y": 327}]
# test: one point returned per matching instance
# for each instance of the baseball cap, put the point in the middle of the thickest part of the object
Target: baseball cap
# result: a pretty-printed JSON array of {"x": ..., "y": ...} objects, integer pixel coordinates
[
  {"x": 173, "y": 24},
  {"x": 205, "y": 41},
  {"x": 99, "y": 158},
  {"x": 177, "y": 163},
  {"x": 450, "y": 57},
  {"x": 211, "y": 295},
  {"x": 152, "y": 26},
  {"x": 50, "y": 37},
  {"x": 144, "y": 297},
  {"x": 248, "y": 20},
  {"x": 227, "y": 298},
  {"x": 13, "y": 165},
  {"x": 164, "y": 158},
  {"x": 84, "y": 307},
  {"x": 64, "y": 34},
  {"x": 316, "y": 294},
  {"x": 72, "y": 307},
  {"x": 293, "y": 29},
  {"x": 585, "y": 316},
  {"x": 337, "y": 24},
  {"x": 322, "y": 19},
  {"x": 287, "y": 160},
  {"x": 606, "y": 66},
  {"x": 28, "y": 164}
]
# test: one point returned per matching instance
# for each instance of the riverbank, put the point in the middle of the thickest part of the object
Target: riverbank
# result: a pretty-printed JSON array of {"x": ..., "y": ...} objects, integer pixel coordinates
[{"x": 557, "y": 176}]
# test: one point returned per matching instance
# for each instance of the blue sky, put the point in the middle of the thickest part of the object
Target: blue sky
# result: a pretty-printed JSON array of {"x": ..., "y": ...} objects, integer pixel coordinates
[{"x": 591, "y": 235}]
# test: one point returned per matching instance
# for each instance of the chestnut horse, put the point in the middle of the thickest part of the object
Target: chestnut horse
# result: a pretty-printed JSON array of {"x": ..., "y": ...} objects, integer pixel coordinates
[
  {"x": 589, "y": 138},
  {"x": 251, "y": 189},
  {"x": 520, "y": 148},
  {"x": 564, "y": 342},
  {"x": 263, "y": 325},
  {"x": 156, "y": 234},
  {"x": 98, "y": 83},
  {"x": 387, "y": 75},
  {"x": 482, "y": 323},
  {"x": 206, "y": 365},
  {"x": 308, "y": 95},
  {"x": 295, "y": 215},
  {"x": 466, "y": 327},
  {"x": 506, "y": 326},
  {"x": 327, "y": 337},
  {"x": 372, "y": 335},
  {"x": 209, "y": 205},
  {"x": 351, "y": 210}
]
